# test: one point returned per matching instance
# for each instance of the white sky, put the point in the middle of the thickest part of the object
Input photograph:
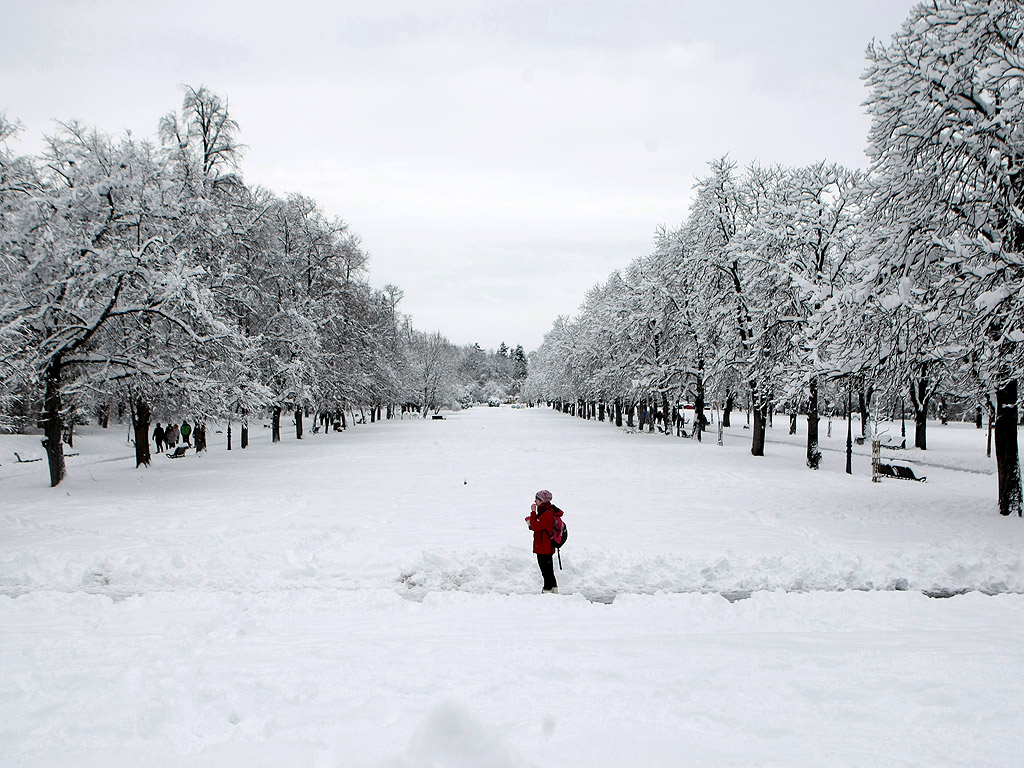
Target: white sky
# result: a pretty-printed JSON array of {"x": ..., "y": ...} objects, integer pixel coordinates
[{"x": 497, "y": 158}]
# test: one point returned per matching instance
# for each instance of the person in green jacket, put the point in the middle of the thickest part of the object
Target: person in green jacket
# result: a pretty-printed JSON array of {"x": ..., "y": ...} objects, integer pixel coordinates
[{"x": 186, "y": 432}]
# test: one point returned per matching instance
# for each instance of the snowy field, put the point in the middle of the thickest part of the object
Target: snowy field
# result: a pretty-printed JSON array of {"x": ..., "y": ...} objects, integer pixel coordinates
[{"x": 370, "y": 599}]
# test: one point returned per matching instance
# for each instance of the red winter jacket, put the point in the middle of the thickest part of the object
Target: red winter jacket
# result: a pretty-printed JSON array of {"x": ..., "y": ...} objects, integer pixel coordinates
[{"x": 542, "y": 523}]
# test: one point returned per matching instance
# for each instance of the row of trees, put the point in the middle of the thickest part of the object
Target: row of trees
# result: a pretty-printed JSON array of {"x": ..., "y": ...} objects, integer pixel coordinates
[
  {"x": 149, "y": 273},
  {"x": 797, "y": 285}
]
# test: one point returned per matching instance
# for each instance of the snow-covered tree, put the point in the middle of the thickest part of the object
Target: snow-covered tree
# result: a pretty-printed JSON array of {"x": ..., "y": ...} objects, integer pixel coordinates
[
  {"x": 102, "y": 275},
  {"x": 947, "y": 145},
  {"x": 433, "y": 370}
]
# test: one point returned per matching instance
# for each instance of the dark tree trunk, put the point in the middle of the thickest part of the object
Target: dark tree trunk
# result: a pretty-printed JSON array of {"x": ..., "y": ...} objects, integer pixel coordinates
[
  {"x": 1007, "y": 455},
  {"x": 600, "y": 411},
  {"x": 275, "y": 424},
  {"x": 813, "y": 452},
  {"x": 862, "y": 406},
  {"x": 140, "y": 425},
  {"x": 760, "y": 409},
  {"x": 199, "y": 433},
  {"x": 792, "y": 423},
  {"x": 104, "y": 414},
  {"x": 991, "y": 427},
  {"x": 919, "y": 399},
  {"x": 629, "y": 415},
  {"x": 698, "y": 406},
  {"x": 618, "y": 413},
  {"x": 849, "y": 432},
  {"x": 51, "y": 419},
  {"x": 977, "y": 418},
  {"x": 298, "y": 423},
  {"x": 727, "y": 413},
  {"x": 642, "y": 415}
]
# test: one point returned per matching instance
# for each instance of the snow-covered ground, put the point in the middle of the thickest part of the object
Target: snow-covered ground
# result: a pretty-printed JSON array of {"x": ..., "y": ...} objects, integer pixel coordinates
[{"x": 370, "y": 599}]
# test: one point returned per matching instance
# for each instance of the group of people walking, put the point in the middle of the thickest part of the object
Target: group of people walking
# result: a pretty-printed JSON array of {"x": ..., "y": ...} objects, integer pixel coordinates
[{"x": 167, "y": 437}]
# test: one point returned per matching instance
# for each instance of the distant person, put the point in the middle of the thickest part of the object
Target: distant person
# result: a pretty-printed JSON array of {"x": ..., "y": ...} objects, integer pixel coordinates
[
  {"x": 186, "y": 432},
  {"x": 542, "y": 523},
  {"x": 171, "y": 435},
  {"x": 158, "y": 437}
]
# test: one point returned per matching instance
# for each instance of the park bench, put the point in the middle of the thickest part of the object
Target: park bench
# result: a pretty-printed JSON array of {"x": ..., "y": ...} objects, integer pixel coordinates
[{"x": 899, "y": 472}]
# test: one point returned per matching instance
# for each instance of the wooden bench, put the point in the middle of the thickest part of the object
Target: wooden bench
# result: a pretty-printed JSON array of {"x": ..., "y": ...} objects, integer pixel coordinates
[{"x": 899, "y": 472}]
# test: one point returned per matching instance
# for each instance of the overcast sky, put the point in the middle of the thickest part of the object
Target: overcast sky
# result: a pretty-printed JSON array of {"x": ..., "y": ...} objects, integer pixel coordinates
[{"x": 497, "y": 158}]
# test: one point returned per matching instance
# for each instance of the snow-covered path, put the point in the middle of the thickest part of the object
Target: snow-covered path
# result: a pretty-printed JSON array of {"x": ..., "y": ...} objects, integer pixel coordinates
[{"x": 369, "y": 599}]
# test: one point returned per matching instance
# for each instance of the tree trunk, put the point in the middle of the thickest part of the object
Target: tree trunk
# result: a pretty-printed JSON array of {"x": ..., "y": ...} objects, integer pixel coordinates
[
  {"x": 618, "y": 413},
  {"x": 298, "y": 423},
  {"x": 698, "y": 408},
  {"x": 275, "y": 424},
  {"x": 862, "y": 406},
  {"x": 991, "y": 427},
  {"x": 245, "y": 431},
  {"x": 726, "y": 414},
  {"x": 1007, "y": 455},
  {"x": 199, "y": 433},
  {"x": 849, "y": 432},
  {"x": 140, "y": 425},
  {"x": 919, "y": 399},
  {"x": 792, "y": 422},
  {"x": 51, "y": 419},
  {"x": 813, "y": 452},
  {"x": 759, "y": 403}
]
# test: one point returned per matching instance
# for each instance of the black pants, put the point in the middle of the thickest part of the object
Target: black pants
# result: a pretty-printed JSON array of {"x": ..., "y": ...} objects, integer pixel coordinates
[{"x": 547, "y": 568}]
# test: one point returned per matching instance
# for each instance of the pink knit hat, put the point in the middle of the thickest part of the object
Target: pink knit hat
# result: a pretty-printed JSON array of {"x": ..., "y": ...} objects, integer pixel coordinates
[{"x": 544, "y": 497}]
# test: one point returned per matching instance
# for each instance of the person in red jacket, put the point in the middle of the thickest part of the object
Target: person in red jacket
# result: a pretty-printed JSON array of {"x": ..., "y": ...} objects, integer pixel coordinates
[{"x": 542, "y": 523}]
